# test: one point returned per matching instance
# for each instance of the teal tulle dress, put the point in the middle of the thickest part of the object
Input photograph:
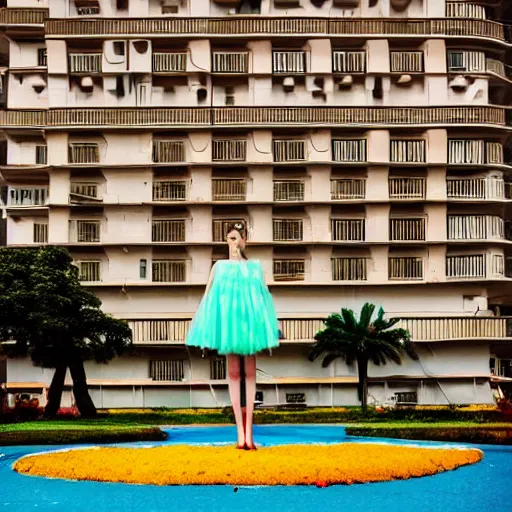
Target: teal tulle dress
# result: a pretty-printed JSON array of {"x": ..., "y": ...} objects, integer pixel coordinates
[{"x": 237, "y": 315}]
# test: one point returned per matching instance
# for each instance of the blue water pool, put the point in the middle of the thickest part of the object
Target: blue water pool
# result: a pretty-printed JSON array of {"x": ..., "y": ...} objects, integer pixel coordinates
[{"x": 482, "y": 487}]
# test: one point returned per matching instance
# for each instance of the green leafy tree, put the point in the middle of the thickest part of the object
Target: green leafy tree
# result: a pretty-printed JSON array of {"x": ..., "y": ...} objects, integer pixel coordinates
[
  {"x": 47, "y": 314},
  {"x": 362, "y": 341}
]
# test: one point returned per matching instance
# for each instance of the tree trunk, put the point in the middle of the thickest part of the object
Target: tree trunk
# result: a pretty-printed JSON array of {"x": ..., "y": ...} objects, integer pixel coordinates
[
  {"x": 83, "y": 399},
  {"x": 55, "y": 391},
  {"x": 362, "y": 370}
]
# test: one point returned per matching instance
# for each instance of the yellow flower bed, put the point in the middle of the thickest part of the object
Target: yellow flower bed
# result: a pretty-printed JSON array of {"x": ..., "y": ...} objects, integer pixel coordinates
[{"x": 278, "y": 465}]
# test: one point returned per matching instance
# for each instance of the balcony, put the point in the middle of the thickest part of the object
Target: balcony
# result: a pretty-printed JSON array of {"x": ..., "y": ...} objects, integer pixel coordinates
[
  {"x": 85, "y": 62},
  {"x": 348, "y": 62},
  {"x": 465, "y": 266},
  {"x": 89, "y": 271},
  {"x": 169, "y": 62},
  {"x": 347, "y": 189},
  {"x": 18, "y": 196},
  {"x": 348, "y": 230},
  {"x": 172, "y": 190},
  {"x": 289, "y": 270},
  {"x": 406, "y": 188},
  {"x": 220, "y": 228},
  {"x": 475, "y": 227},
  {"x": 40, "y": 233},
  {"x": 229, "y": 189},
  {"x": 422, "y": 329},
  {"x": 474, "y": 152},
  {"x": 84, "y": 192},
  {"x": 288, "y": 230},
  {"x": 86, "y": 153},
  {"x": 289, "y": 150},
  {"x": 465, "y": 10},
  {"x": 279, "y": 26},
  {"x": 169, "y": 271},
  {"x": 497, "y": 67},
  {"x": 168, "y": 231},
  {"x": 405, "y": 268},
  {"x": 85, "y": 231},
  {"x": 289, "y": 62},
  {"x": 349, "y": 150},
  {"x": 230, "y": 62},
  {"x": 475, "y": 188},
  {"x": 408, "y": 151},
  {"x": 406, "y": 62},
  {"x": 168, "y": 151},
  {"x": 253, "y": 116},
  {"x": 229, "y": 150},
  {"x": 12, "y": 16},
  {"x": 289, "y": 190},
  {"x": 349, "y": 269},
  {"x": 406, "y": 230}
]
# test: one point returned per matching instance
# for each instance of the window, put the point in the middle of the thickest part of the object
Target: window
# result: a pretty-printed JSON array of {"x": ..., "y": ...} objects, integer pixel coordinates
[
  {"x": 119, "y": 47},
  {"x": 41, "y": 155},
  {"x": 40, "y": 233},
  {"x": 42, "y": 59},
  {"x": 166, "y": 370}
]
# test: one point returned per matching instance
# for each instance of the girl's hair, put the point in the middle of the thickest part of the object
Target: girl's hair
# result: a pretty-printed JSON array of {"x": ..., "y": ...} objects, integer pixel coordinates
[{"x": 242, "y": 231}]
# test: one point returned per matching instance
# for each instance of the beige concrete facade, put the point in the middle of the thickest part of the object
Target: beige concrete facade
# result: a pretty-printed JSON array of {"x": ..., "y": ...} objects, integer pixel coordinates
[{"x": 365, "y": 143}]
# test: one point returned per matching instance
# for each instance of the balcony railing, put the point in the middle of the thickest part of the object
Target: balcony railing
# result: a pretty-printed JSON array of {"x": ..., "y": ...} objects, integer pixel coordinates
[
  {"x": 349, "y": 188},
  {"x": 287, "y": 230},
  {"x": 349, "y": 150},
  {"x": 406, "y": 229},
  {"x": 87, "y": 153},
  {"x": 253, "y": 116},
  {"x": 408, "y": 151},
  {"x": 348, "y": 230},
  {"x": 167, "y": 151},
  {"x": 476, "y": 152},
  {"x": 229, "y": 189},
  {"x": 497, "y": 67},
  {"x": 437, "y": 329},
  {"x": 169, "y": 271},
  {"x": 85, "y": 231},
  {"x": 84, "y": 191},
  {"x": 85, "y": 62},
  {"x": 406, "y": 62},
  {"x": 89, "y": 271},
  {"x": 159, "y": 331},
  {"x": 465, "y": 266},
  {"x": 475, "y": 227},
  {"x": 289, "y": 190},
  {"x": 172, "y": 190},
  {"x": 349, "y": 269},
  {"x": 466, "y": 61},
  {"x": 229, "y": 150},
  {"x": 169, "y": 62},
  {"x": 220, "y": 228},
  {"x": 406, "y": 188},
  {"x": 348, "y": 62},
  {"x": 464, "y": 10},
  {"x": 288, "y": 26},
  {"x": 289, "y": 62},
  {"x": 40, "y": 235},
  {"x": 289, "y": 150},
  {"x": 168, "y": 231},
  {"x": 230, "y": 62},
  {"x": 18, "y": 196},
  {"x": 289, "y": 270},
  {"x": 405, "y": 268},
  {"x": 10, "y": 16},
  {"x": 475, "y": 188}
]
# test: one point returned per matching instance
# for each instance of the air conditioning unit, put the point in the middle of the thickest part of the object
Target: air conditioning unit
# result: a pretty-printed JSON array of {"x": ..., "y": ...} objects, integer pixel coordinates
[
  {"x": 140, "y": 56},
  {"x": 288, "y": 84},
  {"x": 114, "y": 56}
]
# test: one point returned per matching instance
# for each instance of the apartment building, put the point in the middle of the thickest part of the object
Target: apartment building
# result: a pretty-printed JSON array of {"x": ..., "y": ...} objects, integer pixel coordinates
[{"x": 364, "y": 142}]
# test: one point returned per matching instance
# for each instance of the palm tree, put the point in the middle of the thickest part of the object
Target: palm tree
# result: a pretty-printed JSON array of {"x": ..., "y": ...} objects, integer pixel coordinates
[{"x": 362, "y": 340}]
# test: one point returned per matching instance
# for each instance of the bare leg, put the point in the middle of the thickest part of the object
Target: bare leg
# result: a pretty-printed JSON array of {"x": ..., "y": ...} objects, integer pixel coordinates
[
  {"x": 234, "y": 392},
  {"x": 250, "y": 390}
]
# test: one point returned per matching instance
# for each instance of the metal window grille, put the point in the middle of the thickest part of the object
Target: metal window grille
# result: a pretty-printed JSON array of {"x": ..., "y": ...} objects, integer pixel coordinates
[
  {"x": 166, "y": 370},
  {"x": 287, "y": 230},
  {"x": 229, "y": 150},
  {"x": 289, "y": 270},
  {"x": 27, "y": 196},
  {"x": 88, "y": 230},
  {"x": 406, "y": 188},
  {"x": 230, "y": 62},
  {"x": 169, "y": 271},
  {"x": 466, "y": 61},
  {"x": 408, "y": 151},
  {"x": 220, "y": 228},
  {"x": 229, "y": 189},
  {"x": 218, "y": 368},
  {"x": 348, "y": 62},
  {"x": 407, "y": 62},
  {"x": 349, "y": 150},
  {"x": 85, "y": 62},
  {"x": 40, "y": 233},
  {"x": 89, "y": 271},
  {"x": 289, "y": 190},
  {"x": 168, "y": 231},
  {"x": 348, "y": 230},
  {"x": 168, "y": 151},
  {"x": 169, "y": 62},
  {"x": 289, "y": 150},
  {"x": 170, "y": 190},
  {"x": 465, "y": 266},
  {"x": 349, "y": 269},
  {"x": 84, "y": 153},
  {"x": 289, "y": 62},
  {"x": 406, "y": 268},
  {"x": 348, "y": 189},
  {"x": 406, "y": 229},
  {"x": 41, "y": 155}
]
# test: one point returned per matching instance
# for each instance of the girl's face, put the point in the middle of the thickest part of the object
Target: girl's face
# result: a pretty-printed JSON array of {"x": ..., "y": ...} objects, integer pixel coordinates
[{"x": 235, "y": 241}]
